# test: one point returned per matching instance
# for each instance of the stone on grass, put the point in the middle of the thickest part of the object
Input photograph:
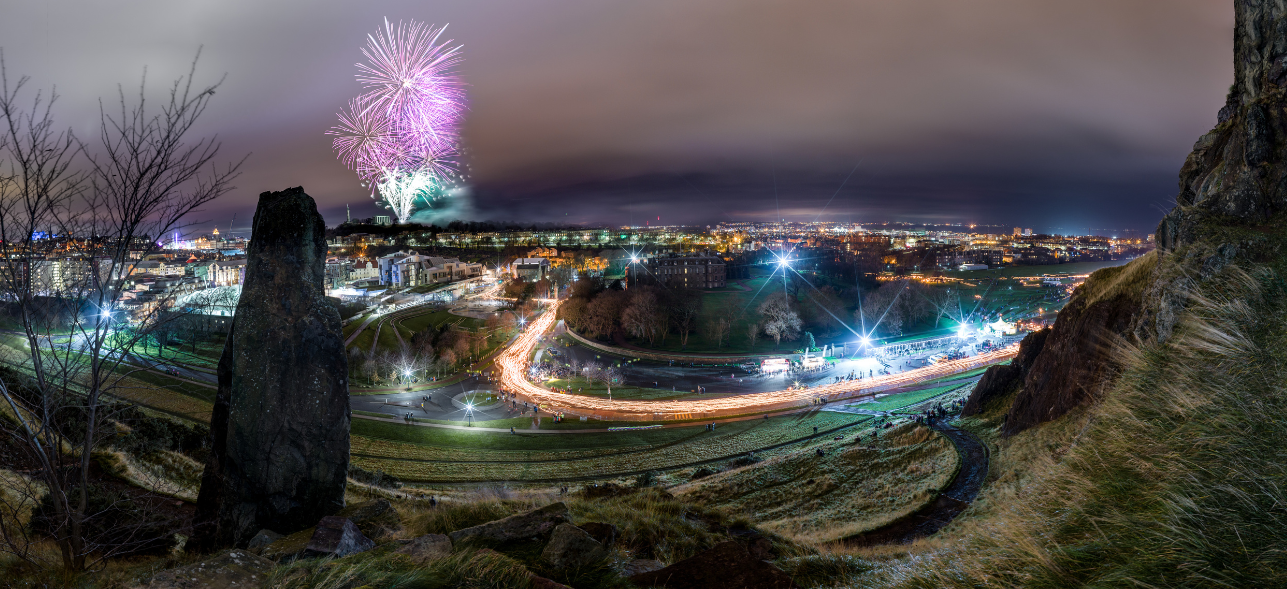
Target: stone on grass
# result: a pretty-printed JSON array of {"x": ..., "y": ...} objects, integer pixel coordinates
[
  {"x": 227, "y": 570},
  {"x": 288, "y": 548},
  {"x": 537, "y": 522},
  {"x": 339, "y": 537},
  {"x": 262, "y": 540},
  {"x": 606, "y": 534},
  {"x": 571, "y": 547},
  {"x": 427, "y": 548},
  {"x": 640, "y": 566},
  {"x": 376, "y": 519},
  {"x": 726, "y": 566}
]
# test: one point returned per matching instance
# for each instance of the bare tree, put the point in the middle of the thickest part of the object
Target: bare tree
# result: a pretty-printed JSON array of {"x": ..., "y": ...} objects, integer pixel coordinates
[
  {"x": 720, "y": 324},
  {"x": 101, "y": 207},
  {"x": 644, "y": 318},
  {"x": 606, "y": 374},
  {"x": 780, "y": 321},
  {"x": 685, "y": 305}
]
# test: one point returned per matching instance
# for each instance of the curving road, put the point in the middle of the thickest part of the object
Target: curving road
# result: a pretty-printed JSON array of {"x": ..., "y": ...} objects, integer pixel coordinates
[{"x": 513, "y": 363}]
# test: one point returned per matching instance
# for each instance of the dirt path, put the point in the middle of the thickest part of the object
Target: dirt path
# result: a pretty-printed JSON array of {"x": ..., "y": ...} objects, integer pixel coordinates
[{"x": 950, "y": 503}]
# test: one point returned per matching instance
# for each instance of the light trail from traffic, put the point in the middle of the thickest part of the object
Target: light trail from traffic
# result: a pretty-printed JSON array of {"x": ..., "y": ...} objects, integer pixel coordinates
[{"x": 513, "y": 378}]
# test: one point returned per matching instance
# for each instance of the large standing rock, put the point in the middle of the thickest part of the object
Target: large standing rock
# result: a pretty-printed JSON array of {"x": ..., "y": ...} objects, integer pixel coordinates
[{"x": 280, "y": 428}]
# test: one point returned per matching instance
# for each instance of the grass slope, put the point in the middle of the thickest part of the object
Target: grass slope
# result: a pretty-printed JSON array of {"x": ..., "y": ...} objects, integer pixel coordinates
[{"x": 852, "y": 489}]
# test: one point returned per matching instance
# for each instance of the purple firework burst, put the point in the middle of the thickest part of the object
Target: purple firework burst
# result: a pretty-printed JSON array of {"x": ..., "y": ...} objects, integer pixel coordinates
[{"x": 407, "y": 121}]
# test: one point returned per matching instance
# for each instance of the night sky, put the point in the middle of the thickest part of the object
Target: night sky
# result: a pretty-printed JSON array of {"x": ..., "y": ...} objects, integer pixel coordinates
[{"x": 1061, "y": 116}]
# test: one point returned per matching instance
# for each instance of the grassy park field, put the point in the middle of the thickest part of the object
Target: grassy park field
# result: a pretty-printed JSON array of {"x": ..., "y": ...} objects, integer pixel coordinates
[{"x": 443, "y": 455}]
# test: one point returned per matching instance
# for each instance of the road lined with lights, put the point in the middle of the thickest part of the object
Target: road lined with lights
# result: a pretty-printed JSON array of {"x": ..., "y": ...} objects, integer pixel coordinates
[{"x": 513, "y": 363}]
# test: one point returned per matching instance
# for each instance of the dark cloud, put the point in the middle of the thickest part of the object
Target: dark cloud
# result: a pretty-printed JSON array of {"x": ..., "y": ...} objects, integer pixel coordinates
[{"x": 1037, "y": 113}]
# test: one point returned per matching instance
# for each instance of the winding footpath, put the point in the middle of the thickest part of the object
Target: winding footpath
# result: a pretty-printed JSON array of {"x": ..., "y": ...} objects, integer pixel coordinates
[{"x": 949, "y": 504}]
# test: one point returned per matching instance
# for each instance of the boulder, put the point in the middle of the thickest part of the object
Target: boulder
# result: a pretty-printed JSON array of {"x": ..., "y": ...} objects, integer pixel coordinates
[
  {"x": 279, "y": 447},
  {"x": 640, "y": 566},
  {"x": 427, "y": 548},
  {"x": 571, "y": 547},
  {"x": 288, "y": 548},
  {"x": 728, "y": 565},
  {"x": 606, "y": 534},
  {"x": 338, "y": 537},
  {"x": 537, "y": 522},
  {"x": 262, "y": 540},
  {"x": 376, "y": 519},
  {"x": 226, "y": 570}
]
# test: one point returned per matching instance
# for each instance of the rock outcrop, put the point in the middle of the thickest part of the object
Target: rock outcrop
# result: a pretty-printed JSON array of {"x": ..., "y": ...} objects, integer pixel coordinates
[
  {"x": 1071, "y": 362},
  {"x": 280, "y": 427},
  {"x": 1076, "y": 359},
  {"x": 1237, "y": 173},
  {"x": 1002, "y": 379}
]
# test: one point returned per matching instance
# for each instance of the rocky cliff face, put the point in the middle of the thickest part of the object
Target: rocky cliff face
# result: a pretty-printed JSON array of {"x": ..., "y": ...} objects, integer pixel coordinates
[
  {"x": 1075, "y": 360},
  {"x": 280, "y": 428},
  {"x": 1232, "y": 196},
  {"x": 1063, "y": 366},
  {"x": 1237, "y": 173},
  {"x": 1002, "y": 379}
]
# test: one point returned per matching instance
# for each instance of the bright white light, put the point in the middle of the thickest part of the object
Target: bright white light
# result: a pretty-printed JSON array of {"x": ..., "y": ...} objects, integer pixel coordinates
[
  {"x": 407, "y": 373},
  {"x": 866, "y": 341},
  {"x": 469, "y": 407},
  {"x": 634, "y": 260}
]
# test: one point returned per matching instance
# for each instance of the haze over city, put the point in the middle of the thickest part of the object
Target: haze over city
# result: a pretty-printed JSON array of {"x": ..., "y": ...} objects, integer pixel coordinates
[{"x": 1064, "y": 117}]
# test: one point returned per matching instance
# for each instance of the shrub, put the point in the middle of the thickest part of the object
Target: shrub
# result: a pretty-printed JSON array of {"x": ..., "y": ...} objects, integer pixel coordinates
[{"x": 646, "y": 479}]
